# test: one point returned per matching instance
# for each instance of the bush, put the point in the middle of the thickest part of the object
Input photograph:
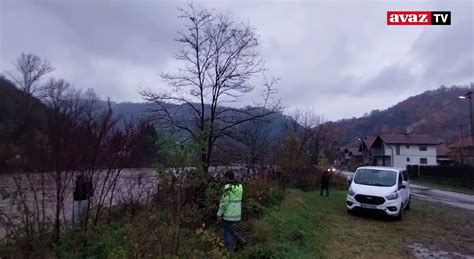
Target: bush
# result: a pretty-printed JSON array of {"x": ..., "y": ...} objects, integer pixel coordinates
[
  {"x": 264, "y": 193},
  {"x": 308, "y": 180},
  {"x": 339, "y": 181}
]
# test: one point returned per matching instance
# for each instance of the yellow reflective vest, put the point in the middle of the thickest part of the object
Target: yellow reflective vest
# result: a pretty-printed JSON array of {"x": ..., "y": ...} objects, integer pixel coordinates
[{"x": 230, "y": 206}]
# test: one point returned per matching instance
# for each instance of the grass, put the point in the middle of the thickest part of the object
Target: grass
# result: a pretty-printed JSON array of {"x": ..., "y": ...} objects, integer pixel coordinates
[
  {"x": 443, "y": 186},
  {"x": 309, "y": 226}
]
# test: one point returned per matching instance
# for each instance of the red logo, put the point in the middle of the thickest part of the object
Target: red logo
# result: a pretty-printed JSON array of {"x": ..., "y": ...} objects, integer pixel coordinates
[{"x": 418, "y": 18}]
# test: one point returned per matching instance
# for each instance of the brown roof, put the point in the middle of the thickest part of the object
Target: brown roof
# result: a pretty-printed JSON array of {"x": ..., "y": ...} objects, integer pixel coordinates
[
  {"x": 464, "y": 142},
  {"x": 353, "y": 148},
  {"x": 410, "y": 139},
  {"x": 369, "y": 141},
  {"x": 442, "y": 150}
]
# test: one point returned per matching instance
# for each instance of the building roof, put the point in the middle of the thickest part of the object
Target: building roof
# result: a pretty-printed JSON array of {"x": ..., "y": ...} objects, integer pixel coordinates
[
  {"x": 442, "y": 150},
  {"x": 409, "y": 139},
  {"x": 353, "y": 148},
  {"x": 368, "y": 141},
  {"x": 464, "y": 142}
]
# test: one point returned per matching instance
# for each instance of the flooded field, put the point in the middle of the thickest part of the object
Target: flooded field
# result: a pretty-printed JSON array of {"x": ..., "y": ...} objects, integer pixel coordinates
[{"x": 37, "y": 191}]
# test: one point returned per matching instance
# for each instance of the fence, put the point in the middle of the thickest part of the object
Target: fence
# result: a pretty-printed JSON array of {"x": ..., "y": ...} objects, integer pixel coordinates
[{"x": 460, "y": 175}]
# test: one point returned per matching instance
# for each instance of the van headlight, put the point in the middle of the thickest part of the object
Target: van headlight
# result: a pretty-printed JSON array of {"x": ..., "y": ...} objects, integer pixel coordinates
[
  {"x": 350, "y": 192},
  {"x": 392, "y": 196}
]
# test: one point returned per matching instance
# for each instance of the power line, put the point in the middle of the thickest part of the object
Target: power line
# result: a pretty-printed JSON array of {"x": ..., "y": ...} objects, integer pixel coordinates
[{"x": 434, "y": 111}]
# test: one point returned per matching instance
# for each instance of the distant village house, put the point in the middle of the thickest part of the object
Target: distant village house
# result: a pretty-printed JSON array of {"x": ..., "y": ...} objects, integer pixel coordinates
[{"x": 393, "y": 150}]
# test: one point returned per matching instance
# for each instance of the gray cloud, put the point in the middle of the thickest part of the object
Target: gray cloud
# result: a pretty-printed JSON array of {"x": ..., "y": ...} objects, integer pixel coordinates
[{"x": 338, "y": 58}]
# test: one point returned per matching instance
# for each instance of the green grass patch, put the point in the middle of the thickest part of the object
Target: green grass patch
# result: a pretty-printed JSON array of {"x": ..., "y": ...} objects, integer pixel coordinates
[{"x": 307, "y": 225}]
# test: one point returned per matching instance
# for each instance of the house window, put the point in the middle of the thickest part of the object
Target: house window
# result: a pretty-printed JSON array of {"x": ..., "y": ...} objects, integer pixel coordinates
[
  {"x": 423, "y": 161},
  {"x": 407, "y": 146},
  {"x": 398, "y": 149},
  {"x": 408, "y": 159},
  {"x": 423, "y": 148}
]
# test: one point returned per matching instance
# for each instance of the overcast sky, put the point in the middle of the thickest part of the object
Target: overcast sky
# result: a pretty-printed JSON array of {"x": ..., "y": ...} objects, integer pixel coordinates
[{"x": 338, "y": 58}]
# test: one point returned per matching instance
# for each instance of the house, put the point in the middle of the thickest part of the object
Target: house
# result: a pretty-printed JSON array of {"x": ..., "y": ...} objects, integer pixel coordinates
[
  {"x": 463, "y": 151},
  {"x": 351, "y": 156},
  {"x": 401, "y": 150},
  {"x": 364, "y": 148},
  {"x": 443, "y": 155}
]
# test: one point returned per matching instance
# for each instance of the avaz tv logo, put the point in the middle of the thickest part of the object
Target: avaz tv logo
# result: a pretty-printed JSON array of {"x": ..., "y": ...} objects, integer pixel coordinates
[{"x": 418, "y": 18}]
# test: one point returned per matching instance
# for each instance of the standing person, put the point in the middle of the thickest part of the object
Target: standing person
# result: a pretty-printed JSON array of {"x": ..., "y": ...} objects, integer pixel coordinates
[
  {"x": 230, "y": 209},
  {"x": 83, "y": 190},
  {"x": 325, "y": 178}
]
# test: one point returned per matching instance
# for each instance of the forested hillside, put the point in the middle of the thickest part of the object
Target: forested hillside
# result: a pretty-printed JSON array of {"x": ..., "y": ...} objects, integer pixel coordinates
[
  {"x": 438, "y": 112},
  {"x": 277, "y": 122},
  {"x": 22, "y": 121}
]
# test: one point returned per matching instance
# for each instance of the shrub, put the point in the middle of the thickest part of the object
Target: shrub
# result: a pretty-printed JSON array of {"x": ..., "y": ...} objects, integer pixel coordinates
[
  {"x": 264, "y": 193},
  {"x": 339, "y": 181},
  {"x": 307, "y": 180}
]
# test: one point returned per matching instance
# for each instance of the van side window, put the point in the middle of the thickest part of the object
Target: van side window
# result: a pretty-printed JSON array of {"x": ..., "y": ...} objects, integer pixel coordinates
[
  {"x": 400, "y": 180},
  {"x": 405, "y": 175}
]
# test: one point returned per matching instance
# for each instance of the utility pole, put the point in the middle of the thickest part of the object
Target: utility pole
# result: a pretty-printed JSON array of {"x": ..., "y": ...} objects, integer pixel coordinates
[
  {"x": 471, "y": 116},
  {"x": 468, "y": 95},
  {"x": 461, "y": 147}
]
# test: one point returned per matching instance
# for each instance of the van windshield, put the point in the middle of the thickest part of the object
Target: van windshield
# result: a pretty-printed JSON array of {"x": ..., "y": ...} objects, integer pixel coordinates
[{"x": 375, "y": 177}]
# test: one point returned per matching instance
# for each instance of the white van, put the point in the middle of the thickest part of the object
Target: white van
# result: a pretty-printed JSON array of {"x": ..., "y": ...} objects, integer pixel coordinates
[{"x": 379, "y": 188}]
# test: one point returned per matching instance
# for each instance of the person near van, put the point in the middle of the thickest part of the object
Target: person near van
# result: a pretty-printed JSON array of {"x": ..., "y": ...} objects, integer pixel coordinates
[
  {"x": 325, "y": 179},
  {"x": 230, "y": 208},
  {"x": 83, "y": 191}
]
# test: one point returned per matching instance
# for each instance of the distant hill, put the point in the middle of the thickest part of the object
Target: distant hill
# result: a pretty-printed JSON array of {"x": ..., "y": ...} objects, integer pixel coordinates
[
  {"x": 136, "y": 111},
  {"x": 438, "y": 112},
  {"x": 19, "y": 128}
]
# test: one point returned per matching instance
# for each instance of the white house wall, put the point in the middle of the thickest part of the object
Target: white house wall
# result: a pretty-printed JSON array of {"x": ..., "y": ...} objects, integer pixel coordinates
[{"x": 413, "y": 152}]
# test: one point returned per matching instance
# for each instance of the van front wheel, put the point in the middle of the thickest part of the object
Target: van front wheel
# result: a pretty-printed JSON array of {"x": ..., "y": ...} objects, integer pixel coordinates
[
  {"x": 408, "y": 204},
  {"x": 399, "y": 217}
]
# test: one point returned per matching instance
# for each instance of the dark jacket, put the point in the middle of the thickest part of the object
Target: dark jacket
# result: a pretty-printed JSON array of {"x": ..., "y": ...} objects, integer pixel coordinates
[
  {"x": 325, "y": 179},
  {"x": 83, "y": 189}
]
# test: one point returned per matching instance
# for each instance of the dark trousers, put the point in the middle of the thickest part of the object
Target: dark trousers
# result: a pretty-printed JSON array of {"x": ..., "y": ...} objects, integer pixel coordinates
[
  {"x": 325, "y": 188},
  {"x": 230, "y": 234}
]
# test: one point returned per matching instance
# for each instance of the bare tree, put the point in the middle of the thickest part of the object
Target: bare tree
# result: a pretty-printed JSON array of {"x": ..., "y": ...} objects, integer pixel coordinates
[
  {"x": 306, "y": 125},
  {"x": 219, "y": 57},
  {"x": 61, "y": 129},
  {"x": 255, "y": 135},
  {"x": 296, "y": 149},
  {"x": 30, "y": 70}
]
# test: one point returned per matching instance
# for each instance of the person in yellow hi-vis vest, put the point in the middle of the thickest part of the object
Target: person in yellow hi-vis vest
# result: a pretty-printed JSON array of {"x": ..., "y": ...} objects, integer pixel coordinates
[{"x": 230, "y": 209}]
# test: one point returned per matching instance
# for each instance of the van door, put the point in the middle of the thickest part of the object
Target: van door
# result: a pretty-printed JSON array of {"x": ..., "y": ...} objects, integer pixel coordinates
[
  {"x": 401, "y": 191},
  {"x": 407, "y": 189}
]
